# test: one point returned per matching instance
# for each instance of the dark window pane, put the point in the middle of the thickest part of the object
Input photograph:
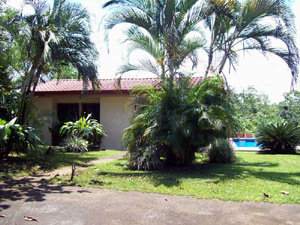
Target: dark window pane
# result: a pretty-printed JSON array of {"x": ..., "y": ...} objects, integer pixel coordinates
[
  {"x": 67, "y": 112},
  {"x": 91, "y": 108}
]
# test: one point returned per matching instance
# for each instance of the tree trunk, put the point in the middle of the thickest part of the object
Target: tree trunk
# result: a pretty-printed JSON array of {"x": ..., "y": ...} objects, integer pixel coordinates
[
  {"x": 34, "y": 73},
  {"x": 24, "y": 90},
  {"x": 184, "y": 159},
  {"x": 223, "y": 62},
  {"x": 210, "y": 57},
  {"x": 73, "y": 171}
]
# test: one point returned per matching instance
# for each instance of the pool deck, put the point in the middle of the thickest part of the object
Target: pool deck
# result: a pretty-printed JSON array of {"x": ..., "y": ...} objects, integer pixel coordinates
[{"x": 245, "y": 149}]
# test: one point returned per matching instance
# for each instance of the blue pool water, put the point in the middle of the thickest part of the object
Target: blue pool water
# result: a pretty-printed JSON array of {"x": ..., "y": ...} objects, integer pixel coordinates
[{"x": 245, "y": 143}]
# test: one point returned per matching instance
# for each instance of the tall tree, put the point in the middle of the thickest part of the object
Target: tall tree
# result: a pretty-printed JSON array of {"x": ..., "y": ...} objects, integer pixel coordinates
[
  {"x": 175, "y": 124},
  {"x": 55, "y": 36},
  {"x": 263, "y": 25},
  {"x": 254, "y": 109},
  {"x": 168, "y": 30},
  {"x": 290, "y": 107}
]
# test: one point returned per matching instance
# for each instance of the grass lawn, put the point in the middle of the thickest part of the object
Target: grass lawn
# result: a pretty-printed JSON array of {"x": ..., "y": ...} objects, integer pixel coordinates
[
  {"x": 22, "y": 165},
  {"x": 247, "y": 180}
]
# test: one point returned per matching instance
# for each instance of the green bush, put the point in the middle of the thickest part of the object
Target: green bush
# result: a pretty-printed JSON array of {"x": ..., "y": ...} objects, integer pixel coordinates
[
  {"x": 144, "y": 158},
  {"x": 77, "y": 145},
  {"x": 175, "y": 121},
  {"x": 221, "y": 152},
  {"x": 17, "y": 138},
  {"x": 279, "y": 138},
  {"x": 86, "y": 128}
]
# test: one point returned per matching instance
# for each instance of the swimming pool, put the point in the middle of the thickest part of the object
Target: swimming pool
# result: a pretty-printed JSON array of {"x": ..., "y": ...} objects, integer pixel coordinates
[{"x": 248, "y": 143}]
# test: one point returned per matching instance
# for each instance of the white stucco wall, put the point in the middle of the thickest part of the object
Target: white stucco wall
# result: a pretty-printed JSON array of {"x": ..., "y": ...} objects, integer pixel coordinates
[
  {"x": 114, "y": 119},
  {"x": 112, "y": 115},
  {"x": 44, "y": 107}
]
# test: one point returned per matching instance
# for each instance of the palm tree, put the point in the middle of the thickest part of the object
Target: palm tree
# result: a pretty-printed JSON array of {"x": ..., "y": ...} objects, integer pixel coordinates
[
  {"x": 168, "y": 30},
  {"x": 175, "y": 124},
  {"x": 56, "y": 36},
  {"x": 254, "y": 25}
]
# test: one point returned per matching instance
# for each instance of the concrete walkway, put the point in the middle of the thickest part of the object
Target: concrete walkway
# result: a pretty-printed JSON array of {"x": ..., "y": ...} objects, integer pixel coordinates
[{"x": 78, "y": 206}]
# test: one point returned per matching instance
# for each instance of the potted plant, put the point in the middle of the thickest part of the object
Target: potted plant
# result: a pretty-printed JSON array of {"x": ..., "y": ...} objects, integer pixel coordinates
[
  {"x": 249, "y": 135},
  {"x": 241, "y": 134}
]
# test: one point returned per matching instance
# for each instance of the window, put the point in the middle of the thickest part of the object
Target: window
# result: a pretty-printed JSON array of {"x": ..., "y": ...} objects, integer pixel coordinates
[
  {"x": 67, "y": 112},
  {"x": 91, "y": 108}
]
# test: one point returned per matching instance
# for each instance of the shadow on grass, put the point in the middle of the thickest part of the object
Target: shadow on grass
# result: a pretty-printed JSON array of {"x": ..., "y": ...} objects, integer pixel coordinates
[
  {"x": 35, "y": 164},
  {"x": 208, "y": 172},
  {"x": 268, "y": 152}
]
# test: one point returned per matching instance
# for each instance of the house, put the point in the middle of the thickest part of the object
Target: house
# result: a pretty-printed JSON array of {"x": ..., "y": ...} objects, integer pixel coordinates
[{"x": 64, "y": 99}]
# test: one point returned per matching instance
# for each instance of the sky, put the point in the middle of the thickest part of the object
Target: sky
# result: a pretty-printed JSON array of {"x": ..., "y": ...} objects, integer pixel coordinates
[{"x": 269, "y": 75}]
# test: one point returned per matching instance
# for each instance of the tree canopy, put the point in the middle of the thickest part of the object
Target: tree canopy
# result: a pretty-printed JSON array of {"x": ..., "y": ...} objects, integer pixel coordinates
[
  {"x": 51, "y": 39},
  {"x": 266, "y": 26},
  {"x": 167, "y": 30}
]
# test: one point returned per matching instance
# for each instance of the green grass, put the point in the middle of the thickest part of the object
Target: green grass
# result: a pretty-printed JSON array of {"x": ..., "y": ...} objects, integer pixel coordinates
[
  {"x": 24, "y": 165},
  {"x": 247, "y": 180}
]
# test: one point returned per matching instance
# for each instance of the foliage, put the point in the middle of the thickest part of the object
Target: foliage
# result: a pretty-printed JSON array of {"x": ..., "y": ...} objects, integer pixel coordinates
[
  {"x": 65, "y": 72},
  {"x": 49, "y": 39},
  {"x": 253, "y": 25},
  {"x": 13, "y": 43},
  {"x": 13, "y": 136},
  {"x": 254, "y": 109},
  {"x": 221, "y": 152},
  {"x": 290, "y": 107},
  {"x": 171, "y": 32},
  {"x": 86, "y": 127},
  {"x": 279, "y": 138},
  {"x": 168, "y": 31},
  {"x": 77, "y": 145},
  {"x": 17, "y": 138},
  {"x": 176, "y": 124},
  {"x": 8, "y": 96},
  {"x": 144, "y": 158}
]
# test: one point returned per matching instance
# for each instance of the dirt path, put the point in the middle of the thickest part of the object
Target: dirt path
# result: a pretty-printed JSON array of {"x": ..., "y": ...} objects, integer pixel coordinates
[
  {"x": 62, "y": 171},
  {"x": 67, "y": 169}
]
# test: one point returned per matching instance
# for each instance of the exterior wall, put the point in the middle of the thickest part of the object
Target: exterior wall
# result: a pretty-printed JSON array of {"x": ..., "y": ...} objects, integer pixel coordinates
[
  {"x": 74, "y": 99},
  {"x": 44, "y": 107},
  {"x": 114, "y": 119},
  {"x": 112, "y": 115}
]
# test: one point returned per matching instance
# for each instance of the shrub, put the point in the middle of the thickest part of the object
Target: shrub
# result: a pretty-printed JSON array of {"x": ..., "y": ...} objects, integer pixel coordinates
[
  {"x": 279, "y": 138},
  {"x": 86, "y": 128},
  {"x": 144, "y": 159},
  {"x": 17, "y": 138},
  {"x": 177, "y": 120},
  {"x": 77, "y": 145},
  {"x": 221, "y": 152}
]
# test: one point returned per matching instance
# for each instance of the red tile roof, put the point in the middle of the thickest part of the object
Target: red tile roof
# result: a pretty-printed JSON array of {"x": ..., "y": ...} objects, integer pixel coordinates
[{"x": 106, "y": 85}]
